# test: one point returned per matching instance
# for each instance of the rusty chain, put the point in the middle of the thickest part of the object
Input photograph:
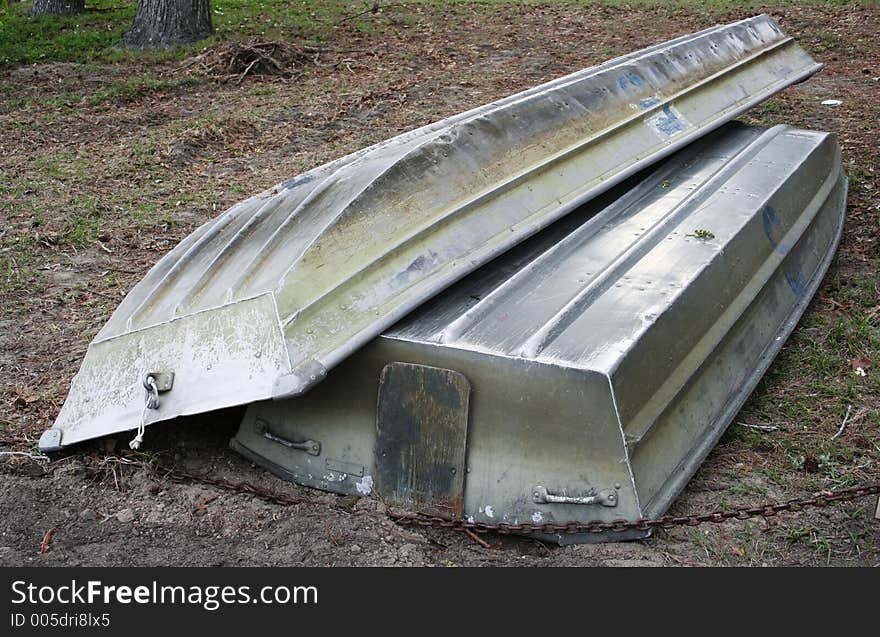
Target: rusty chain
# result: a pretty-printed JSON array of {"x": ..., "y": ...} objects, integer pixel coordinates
[
  {"x": 821, "y": 499},
  {"x": 767, "y": 510}
]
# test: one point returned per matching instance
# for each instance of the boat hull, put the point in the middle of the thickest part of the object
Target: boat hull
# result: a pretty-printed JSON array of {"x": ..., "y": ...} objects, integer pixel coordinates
[
  {"x": 331, "y": 258},
  {"x": 598, "y": 362}
]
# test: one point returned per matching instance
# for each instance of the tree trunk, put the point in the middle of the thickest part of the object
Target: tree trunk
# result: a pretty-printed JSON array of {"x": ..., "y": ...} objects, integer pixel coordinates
[
  {"x": 165, "y": 24},
  {"x": 58, "y": 7}
]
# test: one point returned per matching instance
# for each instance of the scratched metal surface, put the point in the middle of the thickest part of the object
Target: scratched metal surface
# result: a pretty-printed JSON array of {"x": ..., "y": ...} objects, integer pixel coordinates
[
  {"x": 342, "y": 252},
  {"x": 612, "y": 349}
]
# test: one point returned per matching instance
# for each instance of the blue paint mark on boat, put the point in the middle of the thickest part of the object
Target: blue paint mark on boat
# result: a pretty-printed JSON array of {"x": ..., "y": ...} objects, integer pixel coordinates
[
  {"x": 297, "y": 181},
  {"x": 669, "y": 123},
  {"x": 772, "y": 221},
  {"x": 793, "y": 275},
  {"x": 630, "y": 79},
  {"x": 796, "y": 282},
  {"x": 651, "y": 101}
]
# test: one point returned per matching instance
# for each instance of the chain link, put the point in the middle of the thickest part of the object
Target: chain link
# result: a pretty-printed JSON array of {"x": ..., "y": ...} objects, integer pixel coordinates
[
  {"x": 821, "y": 499},
  {"x": 767, "y": 510}
]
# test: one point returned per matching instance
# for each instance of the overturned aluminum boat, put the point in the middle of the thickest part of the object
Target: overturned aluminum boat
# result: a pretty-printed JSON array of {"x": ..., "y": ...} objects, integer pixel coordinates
[
  {"x": 262, "y": 301},
  {"x": 585, "y": 374}
]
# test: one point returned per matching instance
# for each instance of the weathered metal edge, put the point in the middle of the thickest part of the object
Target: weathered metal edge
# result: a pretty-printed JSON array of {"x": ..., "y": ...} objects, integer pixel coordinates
[
  {"x": 689, "y": 466},
  {"x": 308, "y": 374}
]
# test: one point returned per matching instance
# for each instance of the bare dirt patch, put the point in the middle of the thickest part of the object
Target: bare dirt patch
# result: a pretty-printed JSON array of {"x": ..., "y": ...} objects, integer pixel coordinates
[{"x": 104, "y": 168}]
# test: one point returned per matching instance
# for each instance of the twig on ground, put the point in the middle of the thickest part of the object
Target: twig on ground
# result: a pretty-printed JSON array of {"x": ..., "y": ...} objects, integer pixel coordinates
[
  {"x": 476, "y": 538},
  {"x": 843, "y": 424},
  {"x": 373, "y": 9},
  {"x": 119, "y": 460},
  {"x": 47, "y": 539},
  {"x": 765, "y": 428},
  {"x": 247, "y": 69},
  {"x": 237, "y": 60}
]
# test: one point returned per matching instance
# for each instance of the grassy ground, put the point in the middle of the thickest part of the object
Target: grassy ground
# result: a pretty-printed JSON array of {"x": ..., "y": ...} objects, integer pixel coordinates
[
  {"x": 109, "y": 158},
  {"x": 94, "y": 35}
]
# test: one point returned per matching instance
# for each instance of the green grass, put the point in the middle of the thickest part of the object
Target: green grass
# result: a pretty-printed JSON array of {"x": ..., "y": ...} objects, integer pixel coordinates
[
  {"x": 25, "y": 40},
  {"x": 83, "y": 224},
  {"x": 18, "y": 266},
  {"x": 94, "y": 35},
  {"x": 133, "y": 88}
]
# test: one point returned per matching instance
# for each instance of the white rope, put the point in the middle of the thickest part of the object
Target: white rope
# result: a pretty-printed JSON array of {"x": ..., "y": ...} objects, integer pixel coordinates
[
  {"x": 135, "y": 444},
  {"x": 152, "y": 403}
]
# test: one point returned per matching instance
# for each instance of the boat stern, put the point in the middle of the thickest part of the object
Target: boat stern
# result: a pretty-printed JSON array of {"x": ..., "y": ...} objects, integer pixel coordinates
[{"x": 200, "y": 362}]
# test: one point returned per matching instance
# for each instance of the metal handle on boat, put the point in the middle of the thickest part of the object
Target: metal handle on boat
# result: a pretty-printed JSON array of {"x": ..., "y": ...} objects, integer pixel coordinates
[
  {"x": 605, "y": 497},
  {"x": 311, "y": 447}
]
